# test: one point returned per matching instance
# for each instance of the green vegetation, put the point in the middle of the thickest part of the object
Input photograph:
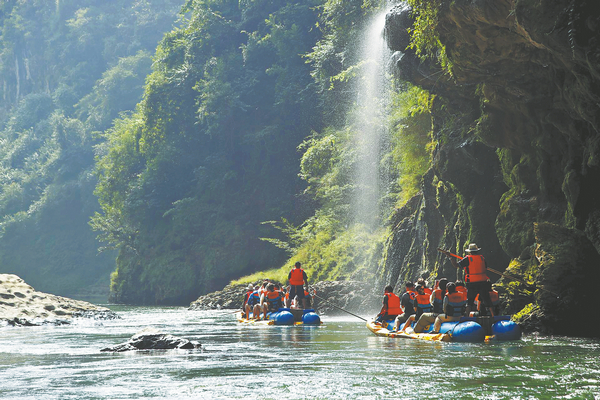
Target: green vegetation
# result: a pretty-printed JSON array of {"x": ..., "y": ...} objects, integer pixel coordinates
[
  {"x": 240, "y": 116},
  {"x": 425, "y": 38},
  {"x": 185, "y": 182},
  {"x": 67, "y": 69}
]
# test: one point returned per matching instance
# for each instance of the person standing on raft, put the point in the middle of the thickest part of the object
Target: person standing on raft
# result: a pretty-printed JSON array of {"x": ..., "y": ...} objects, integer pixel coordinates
[
  {"x": 475, "y": 277},
  {"x": 297, "y": 279}
]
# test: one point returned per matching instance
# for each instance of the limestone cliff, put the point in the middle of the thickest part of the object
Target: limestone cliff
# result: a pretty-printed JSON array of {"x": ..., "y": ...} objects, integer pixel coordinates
[{"x": 517, "y": 166}]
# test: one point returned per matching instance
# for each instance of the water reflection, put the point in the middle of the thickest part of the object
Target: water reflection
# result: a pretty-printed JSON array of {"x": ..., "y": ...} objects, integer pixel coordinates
[{"x": 340, "y": 359}]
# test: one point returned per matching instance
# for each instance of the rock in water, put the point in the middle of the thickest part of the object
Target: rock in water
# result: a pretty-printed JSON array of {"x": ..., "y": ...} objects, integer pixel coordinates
[
  {"x": 22, "y": 305},
  {"x": 154, "y": 340}
]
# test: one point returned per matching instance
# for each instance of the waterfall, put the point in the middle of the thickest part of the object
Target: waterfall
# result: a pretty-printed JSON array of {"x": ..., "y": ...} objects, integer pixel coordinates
[{"x": 370, "y": 120}]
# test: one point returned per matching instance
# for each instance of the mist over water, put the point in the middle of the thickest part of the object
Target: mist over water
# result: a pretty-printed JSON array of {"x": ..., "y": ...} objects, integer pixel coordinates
[{"x": 370, "y": 118}]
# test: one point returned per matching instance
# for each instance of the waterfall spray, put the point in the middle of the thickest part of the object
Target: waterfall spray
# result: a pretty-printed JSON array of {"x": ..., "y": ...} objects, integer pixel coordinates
[{"x": 370, "y": 119}]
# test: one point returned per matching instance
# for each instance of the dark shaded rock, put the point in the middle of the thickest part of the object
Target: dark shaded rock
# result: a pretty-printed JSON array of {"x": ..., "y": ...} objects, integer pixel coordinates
[
  {"x": 569, "y": 266},
  {"x": 517, "y": 161},
  {"x": 397, "y": 23},
  {"x": 153, "y": 340}
]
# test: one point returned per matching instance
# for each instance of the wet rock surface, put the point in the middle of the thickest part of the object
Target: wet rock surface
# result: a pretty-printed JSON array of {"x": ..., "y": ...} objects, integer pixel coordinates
[
  {"x": 151, "y": 339},
  {"x": 22, "y": 305},
  {"x": 517, "y": 157}
]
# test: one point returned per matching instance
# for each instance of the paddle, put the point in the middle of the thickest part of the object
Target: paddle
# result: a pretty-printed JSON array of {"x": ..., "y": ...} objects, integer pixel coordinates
[
  {"x": 501, "y": 273},
  {"x": 339, "y": 308}
]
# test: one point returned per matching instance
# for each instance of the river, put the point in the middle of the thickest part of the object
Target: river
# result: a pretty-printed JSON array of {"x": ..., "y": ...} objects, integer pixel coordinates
[{"x": 339, "y": 360}]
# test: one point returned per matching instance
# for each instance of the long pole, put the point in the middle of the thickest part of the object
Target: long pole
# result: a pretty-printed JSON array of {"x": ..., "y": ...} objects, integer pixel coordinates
[
  {"x": 339, "y": 308},
  {"x": 501, "y": 273}
]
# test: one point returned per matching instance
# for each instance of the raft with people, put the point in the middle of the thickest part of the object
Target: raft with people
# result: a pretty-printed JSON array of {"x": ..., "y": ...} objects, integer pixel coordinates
[
  {"x": 458, "y": 311},
  {"x": 465, "y": 330},
  {"x": 273, "y": 302},
  {"x": 283, "y": 316}
]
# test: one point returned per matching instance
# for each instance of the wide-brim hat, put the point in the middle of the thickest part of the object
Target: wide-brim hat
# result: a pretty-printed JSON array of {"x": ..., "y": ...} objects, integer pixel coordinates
[{"x": 472, "y": 247}]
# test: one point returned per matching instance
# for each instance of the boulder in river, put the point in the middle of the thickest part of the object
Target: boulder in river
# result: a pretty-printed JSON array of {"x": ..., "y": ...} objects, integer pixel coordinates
[
  {"x": 154, "y": 340},
  {"x": 22, "y": 305}
]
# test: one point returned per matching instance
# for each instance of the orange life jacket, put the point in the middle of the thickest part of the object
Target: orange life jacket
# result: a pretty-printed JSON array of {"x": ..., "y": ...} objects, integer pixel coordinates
[
  {"x": 422, "y": 304},
  {"x": 476, "y": 270},
  {"x": 274, "y": 299},
  {"x": 393, "y": 304},
  {"x": 262, "y": 291},
  {"x": 456, "y": 304},
  {"x": 494, "y": 296},
  {"x": 427, "y": 291},
  {"x": 247, "y": 296},
  {"x": 297, "y": 277}
]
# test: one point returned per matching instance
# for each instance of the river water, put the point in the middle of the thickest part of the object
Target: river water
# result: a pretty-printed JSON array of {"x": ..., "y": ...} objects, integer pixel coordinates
[{"x": 339, "y": 360}]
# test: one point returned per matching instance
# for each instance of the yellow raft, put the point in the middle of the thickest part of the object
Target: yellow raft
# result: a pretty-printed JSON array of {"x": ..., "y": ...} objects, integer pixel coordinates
[
  {"x": 466, "y": 330},
  {"x": 381, "y": 330},
  {"x": 240, "y": 317}
]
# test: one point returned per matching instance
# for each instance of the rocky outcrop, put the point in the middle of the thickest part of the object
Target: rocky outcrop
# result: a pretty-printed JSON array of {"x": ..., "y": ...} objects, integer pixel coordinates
[
  {"x": 150, "y": 339},
  {"x": 330, "y": 296},
  {"x": 20, "y": 304},
  {"x": 230, "y": 297},
  {"x": 517, "y": 126}
]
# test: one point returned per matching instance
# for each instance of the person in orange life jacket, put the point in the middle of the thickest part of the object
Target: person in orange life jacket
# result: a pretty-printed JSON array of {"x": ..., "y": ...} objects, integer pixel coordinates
[
  {"x": 295, "y": 300},
  {"x": 263, "y": 287},
  {"x": 423, "y": 314},
  {"x": 423, "y": 283},
  {"x": 461, "y": 288},
  {"x": 494, "y": 296},
  {"x": 391, "y": 305},
  {"x": 297, "y": 278},
  {"x": 247, "y": 294},
  {"x": 253, "y": 304},
  {"x": 454, "y": 304},
  {"x": 475, "y": 277},
  {"x": 437, "y": 297},
  {"x": 308, "y": 298},
  {"x": 270, "y": 301},
  {"x": 406, "y": 303}
]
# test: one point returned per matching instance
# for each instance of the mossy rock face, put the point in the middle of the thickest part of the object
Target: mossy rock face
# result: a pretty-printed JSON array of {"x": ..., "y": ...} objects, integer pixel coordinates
[
  {"x": 569, "y": 272},
  {"x": 514, "y": 224}
]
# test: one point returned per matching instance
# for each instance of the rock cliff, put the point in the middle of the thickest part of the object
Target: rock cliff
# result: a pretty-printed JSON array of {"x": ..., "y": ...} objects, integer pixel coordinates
[{"x": 517, "y": 163}]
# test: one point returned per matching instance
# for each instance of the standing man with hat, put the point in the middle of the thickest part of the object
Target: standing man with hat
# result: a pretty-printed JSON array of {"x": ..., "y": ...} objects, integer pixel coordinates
[{"x": 475, "y": 277}]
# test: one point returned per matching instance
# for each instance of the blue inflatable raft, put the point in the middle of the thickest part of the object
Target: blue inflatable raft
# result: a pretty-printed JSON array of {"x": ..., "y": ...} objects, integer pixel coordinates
[
  {"x": 466, "y": 330},
  {"x": 285, "y": 316}
]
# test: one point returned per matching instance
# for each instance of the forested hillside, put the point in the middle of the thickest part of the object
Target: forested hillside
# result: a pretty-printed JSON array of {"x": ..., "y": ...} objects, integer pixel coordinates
[
  {"x": 246, "y": 126},
  {"x": 211, "y": 151},
  {"x": 238, "y": 150},
  {"x": 67, "y": 69}
]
